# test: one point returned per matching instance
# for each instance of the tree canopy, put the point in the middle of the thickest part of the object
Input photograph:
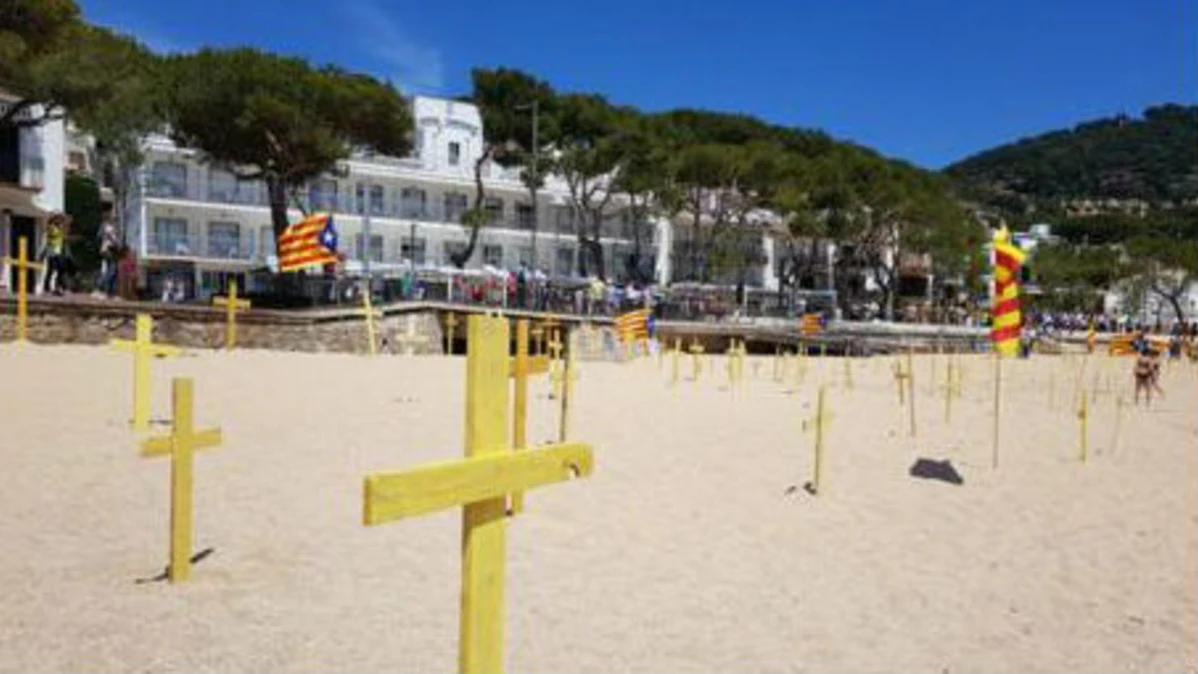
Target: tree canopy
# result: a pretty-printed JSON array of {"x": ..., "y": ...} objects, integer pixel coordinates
[{"x": 279, "y": 119}]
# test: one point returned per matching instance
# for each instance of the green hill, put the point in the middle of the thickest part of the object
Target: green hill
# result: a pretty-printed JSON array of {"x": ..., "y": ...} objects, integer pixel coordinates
[{"x": 1153, "y": 158}]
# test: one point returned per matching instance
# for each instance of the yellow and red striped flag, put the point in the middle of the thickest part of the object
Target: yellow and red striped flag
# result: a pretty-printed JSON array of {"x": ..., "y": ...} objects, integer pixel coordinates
[
  {"x": 633, "y": 326},
  {"x": 812, "y": 324},
  {"x": 311, "y": 241},
  {"x": 1006, "y": 317}
]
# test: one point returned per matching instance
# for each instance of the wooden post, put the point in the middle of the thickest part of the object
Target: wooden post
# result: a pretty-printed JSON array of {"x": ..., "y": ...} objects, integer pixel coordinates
[
  {"x": 848, "y": 373},
  {"x": 997, "y": 406},
  {"x": 520, "y": 368},
  {"x": 370, "y": 313},
  {"x": 451, "y": 322},
  {"x": 900, "y": 382},
  {"x": 696, "y": 350},
  {"x": 180, "y": 446},
  {"x": 567, "y": 393},
  {"x": 232, "y": 305},
  {"x": 143, "y": 349},
  {"x": 23, "y": 266},
  {"x": 948, "y": 392},
  {"x": 480, "y": 484},
  {"x": 818, "y": 469}
]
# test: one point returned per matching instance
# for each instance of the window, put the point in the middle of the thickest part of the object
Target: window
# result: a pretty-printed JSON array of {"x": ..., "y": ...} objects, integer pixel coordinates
[
  {"x": 266, "y": 241},
  {"x": 412, "y": 253},
  {"x": 359, "y": 198},
  {"x": 455, "y": 153},
  {"x": 224, "y": 239},
  {"x": 376, "y": 248},
  {"x": 565, "y": 219},
  {"x": 565, "y": 261},
  {"x": 168, "y": 179},
  {"x": 222, "y": 186},
  {"x": 455, "y": 206},
  {"x": 377, "y": 200},
  {"x": 411, "y": 202},
  {"x": 493, "y": 254},
  {"x": 453, "y": 248},
  {"x": 170, "y": 237},
  {"x": 524, "y": 255},
  {"x": 524, "y": 216},
  {"x": 322, "y": 195},
  {"x": 493, "y": 207}
]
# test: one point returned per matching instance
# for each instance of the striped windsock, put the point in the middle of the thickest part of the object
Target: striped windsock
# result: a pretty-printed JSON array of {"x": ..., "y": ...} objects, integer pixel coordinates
[{"x": 1006, "y": 317}]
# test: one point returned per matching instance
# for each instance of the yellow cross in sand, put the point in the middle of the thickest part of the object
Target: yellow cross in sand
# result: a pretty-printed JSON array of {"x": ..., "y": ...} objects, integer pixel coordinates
[
  {"x": 480, "y": 484},
  {"x": 143, "y": 349},
  {"x": 519, "y": 369},
  {"x": 180, "y": 446},
  {"x": 451, "y": 322},
  {"x": 23, "y": 265},
  {"x": 231, "y": 304},
  {"x": 696, "y": 350},
  {"x": 368, "y": 310}
]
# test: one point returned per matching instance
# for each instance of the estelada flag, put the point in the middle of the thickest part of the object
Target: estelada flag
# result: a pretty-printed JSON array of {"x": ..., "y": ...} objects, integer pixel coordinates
[
  {"x": 1006, "y": 318},
  {"x": 311, "y": 241},
  {"x": 633, "y": 326},
  {"x": 812, "y": 324}
]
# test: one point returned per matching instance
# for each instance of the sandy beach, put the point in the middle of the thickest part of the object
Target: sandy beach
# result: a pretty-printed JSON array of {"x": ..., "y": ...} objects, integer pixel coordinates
[{"x": 692, "y": 547}]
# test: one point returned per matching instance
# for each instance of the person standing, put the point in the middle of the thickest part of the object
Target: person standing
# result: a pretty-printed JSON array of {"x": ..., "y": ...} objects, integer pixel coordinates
[
  {"x": 109, "y": 247},
  {"x": 56, "y": 238}
]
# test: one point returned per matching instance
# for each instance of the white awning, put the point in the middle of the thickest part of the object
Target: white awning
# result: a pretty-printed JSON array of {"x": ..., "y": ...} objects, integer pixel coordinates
[{"x": 19, "y": 200}]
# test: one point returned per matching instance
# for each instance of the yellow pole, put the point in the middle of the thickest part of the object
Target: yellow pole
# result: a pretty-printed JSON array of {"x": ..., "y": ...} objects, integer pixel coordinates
[
  {"x": 23, "y": 267},
  {"x": 483, "y": 523},
  {"x": 817, "y": 477},
  {"x": 372, "y": 342},
  {"x": 144, "y": 328},
  {"x": 567, "y": 392},
  {"x": 231, "y": 316},
  {"x": 520, "y": 402}
]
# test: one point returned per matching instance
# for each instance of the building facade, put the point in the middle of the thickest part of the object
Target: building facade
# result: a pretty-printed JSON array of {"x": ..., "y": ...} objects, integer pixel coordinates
[
  {"x": 32, "y": 177},
  {"x": 188, "y": 218}
]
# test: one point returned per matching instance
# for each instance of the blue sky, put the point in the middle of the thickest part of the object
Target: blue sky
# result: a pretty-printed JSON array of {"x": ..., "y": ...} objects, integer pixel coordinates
[{"x": 930, "y": 81}]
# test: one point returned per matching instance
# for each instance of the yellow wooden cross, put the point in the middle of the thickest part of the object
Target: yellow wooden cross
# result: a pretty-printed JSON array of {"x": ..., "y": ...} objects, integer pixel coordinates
[
  {"x": 370, "y": 313},
  {"x": 696, "y": 350},
  {"x": 519, "y": 369},
  {"x": 143, "y": 349},
  {"x": 948, "y": 392},
  {"x": 180, "y": 446},
  {"x": 817, "y": 470},
  {"x": 451, "y": 322},
  {"x": 899, "y": 381},
  {"x": 479, "y": 483},
  {"x": 848, "y": 372},
  {"x": 567, "y": 374},
  {"x": 538, "y": 335},
  {"x": 23, "y": 266},
  {"x": 231, "y": 304},
  {"x": 409, "y": 339},
  {"x": 779, "y": 361}
]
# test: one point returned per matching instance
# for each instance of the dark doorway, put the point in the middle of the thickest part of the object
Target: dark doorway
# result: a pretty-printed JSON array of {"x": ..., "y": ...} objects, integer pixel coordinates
[{"x": 20, "y": 226}]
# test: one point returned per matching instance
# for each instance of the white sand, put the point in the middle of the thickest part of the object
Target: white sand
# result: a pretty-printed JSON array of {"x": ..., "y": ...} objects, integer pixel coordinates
[{"x": 683, "y": 552}]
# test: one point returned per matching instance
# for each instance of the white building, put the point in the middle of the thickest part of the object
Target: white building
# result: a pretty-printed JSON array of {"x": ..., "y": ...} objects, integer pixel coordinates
[
  {"x": 32, "y": 175},
  {"x": 199, "y": 223}
]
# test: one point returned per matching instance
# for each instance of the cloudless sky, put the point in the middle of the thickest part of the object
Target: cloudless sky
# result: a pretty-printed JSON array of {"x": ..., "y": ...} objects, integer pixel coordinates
[{"x": 930, "y": 81}]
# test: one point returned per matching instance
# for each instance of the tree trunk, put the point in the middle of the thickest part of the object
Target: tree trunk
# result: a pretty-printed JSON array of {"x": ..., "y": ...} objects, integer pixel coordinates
[
  {"x": 475, "y": 217},
  {"x": 276, "y": 192}
]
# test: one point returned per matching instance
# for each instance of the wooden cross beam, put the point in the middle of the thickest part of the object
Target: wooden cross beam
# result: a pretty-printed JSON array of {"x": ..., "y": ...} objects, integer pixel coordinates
[
  {"x": 180, "y": 446},
  {"x": 409, "y": 339},
  {"x": 538, "y": 334},
  {"x": 23, "y": 264},
  {"x": 519, "y": 369},
  {"x": 232, "y": 305},
  {"x": 143, "y": 349},
  {"x": 370, "y": 313},
  {"x": 900, "y": 378},
  {"x": 479, "y": 483}
]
